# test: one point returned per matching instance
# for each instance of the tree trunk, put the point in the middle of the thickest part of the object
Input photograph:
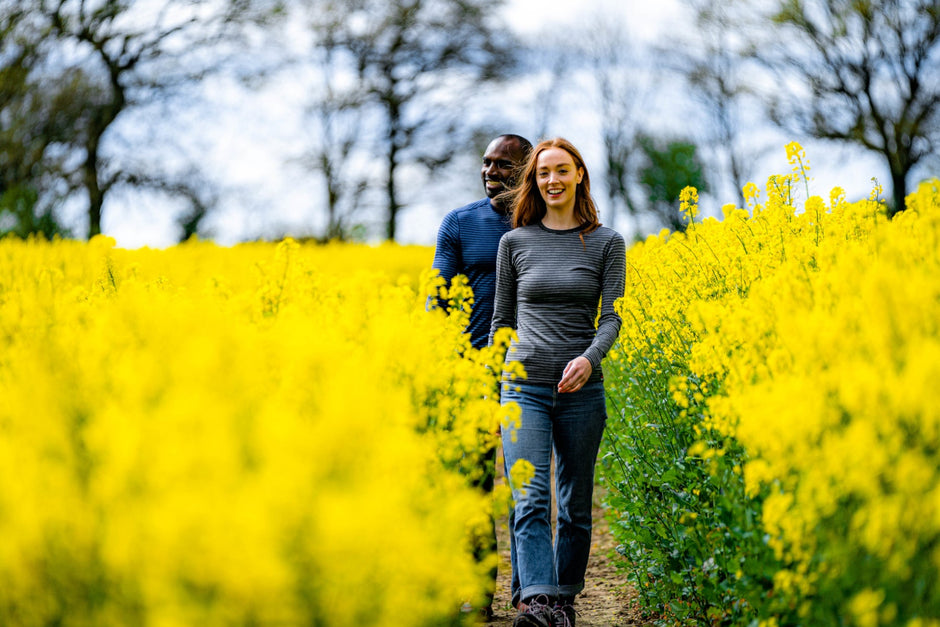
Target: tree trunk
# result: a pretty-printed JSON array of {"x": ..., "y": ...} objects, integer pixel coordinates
[
  {"x": 95, "y": 194},
  {"x": 390, "y": 189},
  {"x": 898, "y": 190},
  {"x": 394, "y": 131}
]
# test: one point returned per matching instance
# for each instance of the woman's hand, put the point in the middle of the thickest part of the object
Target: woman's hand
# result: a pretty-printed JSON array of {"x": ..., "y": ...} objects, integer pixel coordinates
[{"x": 576, "y": 374}]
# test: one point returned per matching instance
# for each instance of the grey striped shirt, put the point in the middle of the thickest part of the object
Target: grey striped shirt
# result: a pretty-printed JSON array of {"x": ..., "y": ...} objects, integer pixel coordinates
[{"x": 548, "y": 284}]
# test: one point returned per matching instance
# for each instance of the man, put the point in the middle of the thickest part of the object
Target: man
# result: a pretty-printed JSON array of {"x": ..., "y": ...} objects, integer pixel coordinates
[
  {"x": 467, "y": 242},
  {"x": 469, "y": 236}
]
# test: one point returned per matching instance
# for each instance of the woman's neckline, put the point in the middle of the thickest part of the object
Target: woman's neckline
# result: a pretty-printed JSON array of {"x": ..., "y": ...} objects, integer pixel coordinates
[{"x": 573, "y": 229}]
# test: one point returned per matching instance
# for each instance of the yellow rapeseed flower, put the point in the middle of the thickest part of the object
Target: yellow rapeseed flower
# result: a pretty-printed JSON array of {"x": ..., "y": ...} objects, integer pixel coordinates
[
  {"x": 215, "y": 436},
  {"x": 819, "y": 325}
]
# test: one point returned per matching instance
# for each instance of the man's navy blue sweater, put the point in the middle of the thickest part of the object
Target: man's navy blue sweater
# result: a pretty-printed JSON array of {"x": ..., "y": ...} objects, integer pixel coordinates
[{"x": 467, "y": 243}]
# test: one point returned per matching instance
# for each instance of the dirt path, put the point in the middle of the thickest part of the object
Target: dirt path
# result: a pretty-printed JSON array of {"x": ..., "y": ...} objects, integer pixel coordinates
[{"x": 606, "y": 599}]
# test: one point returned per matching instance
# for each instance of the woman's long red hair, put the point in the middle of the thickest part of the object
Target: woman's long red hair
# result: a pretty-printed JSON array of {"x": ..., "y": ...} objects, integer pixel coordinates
[{"x": 528, "y": 206}]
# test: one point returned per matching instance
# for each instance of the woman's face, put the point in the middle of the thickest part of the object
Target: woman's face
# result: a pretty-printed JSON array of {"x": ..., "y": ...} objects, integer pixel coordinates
[{"x": 557, "y": 178}]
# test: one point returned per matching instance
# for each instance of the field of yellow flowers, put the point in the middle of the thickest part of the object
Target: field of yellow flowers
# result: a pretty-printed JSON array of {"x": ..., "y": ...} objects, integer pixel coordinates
[
  {"x": 283, "y": 434},
  {"x": 773, "y": 451},
  {"x": 265, "y": 434}
]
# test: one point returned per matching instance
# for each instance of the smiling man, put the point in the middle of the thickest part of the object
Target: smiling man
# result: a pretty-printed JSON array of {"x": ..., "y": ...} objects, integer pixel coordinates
[{"x": 468, "y": 238}]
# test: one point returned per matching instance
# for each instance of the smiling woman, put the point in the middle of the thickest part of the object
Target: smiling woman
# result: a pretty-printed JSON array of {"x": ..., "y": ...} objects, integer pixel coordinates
[{"x": 552, "y": 269}]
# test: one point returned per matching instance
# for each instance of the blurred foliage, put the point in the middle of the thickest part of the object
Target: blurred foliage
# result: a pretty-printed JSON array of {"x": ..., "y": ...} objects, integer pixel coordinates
[
  {"x": 668, "y": 167},
  {"x": 18, "y": 216}
]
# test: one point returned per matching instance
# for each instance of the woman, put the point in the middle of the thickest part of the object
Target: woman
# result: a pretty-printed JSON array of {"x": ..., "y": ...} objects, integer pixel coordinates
[{"x": 552, "y": 269}]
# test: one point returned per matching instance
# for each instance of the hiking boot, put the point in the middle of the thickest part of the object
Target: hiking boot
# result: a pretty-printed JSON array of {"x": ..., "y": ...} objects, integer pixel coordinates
[
  {"x": 538, "y": 613},
  {"x": 563, "y": 613}
]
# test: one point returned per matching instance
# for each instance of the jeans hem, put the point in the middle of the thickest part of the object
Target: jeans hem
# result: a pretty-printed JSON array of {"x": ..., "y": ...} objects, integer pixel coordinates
[
  {"x": 570, "y": 590},
  {"x": 534, "y": 590}
]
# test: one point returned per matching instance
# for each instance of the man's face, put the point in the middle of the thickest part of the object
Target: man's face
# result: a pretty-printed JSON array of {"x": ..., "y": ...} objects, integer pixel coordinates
[{"x": 500, "y": 160}]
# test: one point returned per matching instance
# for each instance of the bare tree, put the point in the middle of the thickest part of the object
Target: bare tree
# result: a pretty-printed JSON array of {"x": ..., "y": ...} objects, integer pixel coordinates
[
  {"x": 713, "y": 68},
  {"x": 621, "y": 97},
  {"x": 333, "y": 157},
  {"x": 118, "y": 55},
  {"x": 866, "y": 73},
  {"x": 415, "y": 61},
  {"x": 642, "y": 171},
  {"x": 338, "y": 114}
]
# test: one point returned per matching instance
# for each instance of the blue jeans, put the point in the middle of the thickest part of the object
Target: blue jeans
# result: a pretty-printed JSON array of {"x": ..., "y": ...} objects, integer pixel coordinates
[{"x": 572, "y": 424}]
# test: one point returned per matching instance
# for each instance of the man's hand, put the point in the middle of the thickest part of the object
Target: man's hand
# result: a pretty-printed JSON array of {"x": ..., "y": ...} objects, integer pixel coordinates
[{"x": 576, "y": 374}]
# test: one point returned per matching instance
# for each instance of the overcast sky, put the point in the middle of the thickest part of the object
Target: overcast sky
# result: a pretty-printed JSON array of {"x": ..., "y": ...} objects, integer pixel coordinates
[{"x": 252, "y": 135}]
